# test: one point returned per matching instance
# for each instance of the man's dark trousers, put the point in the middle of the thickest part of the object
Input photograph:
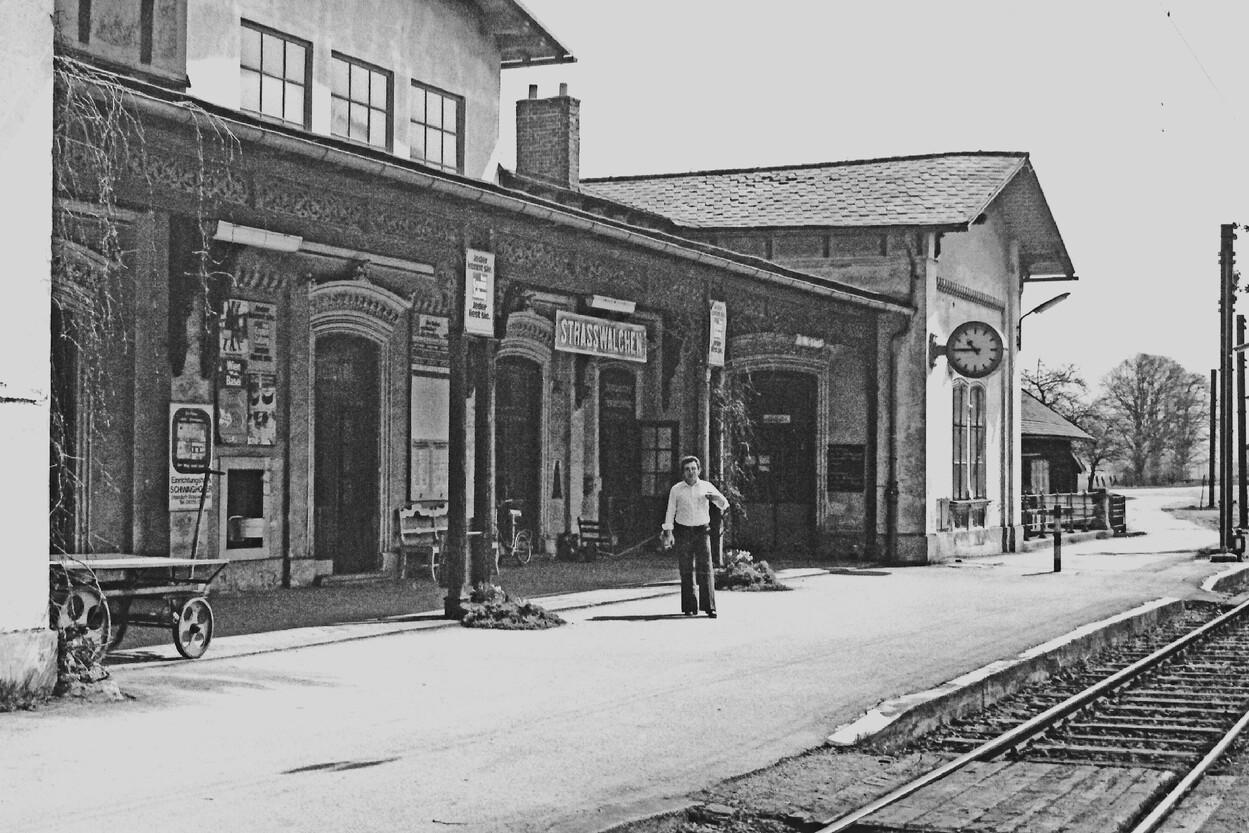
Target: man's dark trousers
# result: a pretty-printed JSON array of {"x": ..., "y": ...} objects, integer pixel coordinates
[{"x": 693, "y": 546}]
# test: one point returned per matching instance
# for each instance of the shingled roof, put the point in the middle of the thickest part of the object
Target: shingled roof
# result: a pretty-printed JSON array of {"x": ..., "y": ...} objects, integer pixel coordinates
[
  {"x": 1037, "y": 420},
  {"x": 920, "y": 190},
  {"x": 945, "y": 191}
]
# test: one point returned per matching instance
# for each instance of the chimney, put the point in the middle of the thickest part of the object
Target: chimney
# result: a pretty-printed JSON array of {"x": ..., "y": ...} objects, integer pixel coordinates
[{"x": 548, "y": 138}]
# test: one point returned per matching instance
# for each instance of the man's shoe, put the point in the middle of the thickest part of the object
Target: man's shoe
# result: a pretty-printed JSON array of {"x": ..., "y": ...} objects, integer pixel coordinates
[{"x": 711, "y": 614}]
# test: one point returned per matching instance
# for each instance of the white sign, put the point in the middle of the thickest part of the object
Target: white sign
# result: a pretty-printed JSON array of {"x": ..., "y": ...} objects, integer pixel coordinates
[
  {"x": 479, "y": 292},
  {"x": 718, "y": 334},
  {"x": 189, "y": 441},
  {"x": 613, "y": 304},
  {"x": 599, "y": 337}
]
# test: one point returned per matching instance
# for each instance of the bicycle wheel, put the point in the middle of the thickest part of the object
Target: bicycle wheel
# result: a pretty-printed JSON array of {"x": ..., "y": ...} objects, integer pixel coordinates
[{"x": 522, "y": 547}]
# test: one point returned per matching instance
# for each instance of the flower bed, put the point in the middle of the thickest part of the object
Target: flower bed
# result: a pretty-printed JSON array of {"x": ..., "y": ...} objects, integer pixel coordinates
[
  {"x": 742, "y": 572},
  {"x": 489, "y": 607}
]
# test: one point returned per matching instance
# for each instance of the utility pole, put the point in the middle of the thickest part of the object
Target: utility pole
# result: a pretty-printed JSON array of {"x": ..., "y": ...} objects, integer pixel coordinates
[
  {"x": 1242, "y": 450},
  {"x": 1227, "y": 306},
  {"x": 1214, "y": 435}
]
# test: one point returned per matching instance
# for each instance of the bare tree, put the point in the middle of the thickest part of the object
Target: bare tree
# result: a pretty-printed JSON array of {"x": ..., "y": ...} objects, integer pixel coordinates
[
  {"x": 1063, "y": 390},
  {"x": 1151, "y": 410},
  {"x": 1190, "y": 413}
]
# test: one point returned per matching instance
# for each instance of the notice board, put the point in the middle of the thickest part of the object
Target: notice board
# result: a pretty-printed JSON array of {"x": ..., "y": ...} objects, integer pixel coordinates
[{"x": 847, "y": 467}]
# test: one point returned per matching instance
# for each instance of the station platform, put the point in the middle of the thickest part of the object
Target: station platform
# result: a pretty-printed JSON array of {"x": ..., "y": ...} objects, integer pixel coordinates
[{"x": 412, "y": 722}]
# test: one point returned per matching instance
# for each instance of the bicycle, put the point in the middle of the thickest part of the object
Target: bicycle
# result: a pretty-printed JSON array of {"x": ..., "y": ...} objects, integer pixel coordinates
[{"x": 512, "y": 540}]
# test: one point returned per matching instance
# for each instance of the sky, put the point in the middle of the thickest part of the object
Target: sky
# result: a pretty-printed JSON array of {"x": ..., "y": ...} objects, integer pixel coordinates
[{"x": 1134, "y": 113}]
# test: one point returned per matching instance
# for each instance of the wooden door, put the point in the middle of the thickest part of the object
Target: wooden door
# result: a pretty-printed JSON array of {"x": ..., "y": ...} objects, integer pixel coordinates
[
  {"x": 518, "y": 436},
  {"x": 347, "y": 457},
  {"x": 780, "y": 489},
  {"x": 619, "y": 457}
]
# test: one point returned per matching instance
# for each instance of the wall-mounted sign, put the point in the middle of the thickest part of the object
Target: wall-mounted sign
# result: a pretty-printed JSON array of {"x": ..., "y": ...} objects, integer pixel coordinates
[
  {"x": 262, "y": 333},
  {"x": 479, "y": 292},
  {"x": 777, "y": 419},
  {"x": 612, "y": 304},
  {"x": 599, "y": 337},
  {"x": 190, "y": 455},
  {"x": 430, "y": 352},
  {"x": 847, "y": 467},
  {"x": 718, "y": 334}
]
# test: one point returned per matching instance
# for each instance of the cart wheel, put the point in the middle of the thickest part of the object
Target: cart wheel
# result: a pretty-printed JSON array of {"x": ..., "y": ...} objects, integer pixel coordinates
[
  {"x": 119, "y": 613},
  {"x": 522, "y": 548},
  {"x": 193, "y": 629},
  {"x": 84, "y": 607}
]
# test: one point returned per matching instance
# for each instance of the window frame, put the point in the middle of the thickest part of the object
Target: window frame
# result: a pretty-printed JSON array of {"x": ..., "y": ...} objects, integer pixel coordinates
[
  {"x": 368, "y": 103},
  {"x": 969, "y": 442},
  {"x": 414, "y": 125},
  {"x": 648, "y": 457},
  {"x": 306, "y": 81}
]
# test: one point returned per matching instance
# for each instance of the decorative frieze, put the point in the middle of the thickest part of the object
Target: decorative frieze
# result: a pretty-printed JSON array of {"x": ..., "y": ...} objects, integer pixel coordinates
[
  {"x": 317, "y": 205},
  {"x": 534, "y": 255},
  {"x": 189, "y": 175},
  {"x": 412, "y": 226}
]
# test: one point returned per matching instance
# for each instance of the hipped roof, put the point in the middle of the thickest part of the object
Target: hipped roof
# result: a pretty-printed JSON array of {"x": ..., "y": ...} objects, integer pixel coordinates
[{"x": 948, "y": 191}]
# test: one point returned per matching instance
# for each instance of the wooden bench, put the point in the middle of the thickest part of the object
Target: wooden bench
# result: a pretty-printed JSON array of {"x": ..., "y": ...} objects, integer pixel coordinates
[
  {"x": 421, "y": 528},
  {"x": 594, "y": 537}
]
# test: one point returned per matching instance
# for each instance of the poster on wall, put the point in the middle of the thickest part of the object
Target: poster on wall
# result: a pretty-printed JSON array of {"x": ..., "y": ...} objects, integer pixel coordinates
[
  {"x": 262, "y": 327},
  {"x": 479, "y": 292},
  {"x": 190, "y": 453},
  {"x": 262, "y": 426},
  {"x": 233, "y": 332},
  {"x": 717, "y": 334},
  {"x": 430, "y": 352}
]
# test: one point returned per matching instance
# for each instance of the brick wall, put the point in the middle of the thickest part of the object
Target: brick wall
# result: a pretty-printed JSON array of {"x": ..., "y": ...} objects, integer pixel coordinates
[{"x": 548, "y": 140}]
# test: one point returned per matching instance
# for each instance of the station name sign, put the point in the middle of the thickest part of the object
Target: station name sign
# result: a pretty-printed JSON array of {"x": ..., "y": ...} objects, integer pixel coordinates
[{"x": 599, "y": 337}]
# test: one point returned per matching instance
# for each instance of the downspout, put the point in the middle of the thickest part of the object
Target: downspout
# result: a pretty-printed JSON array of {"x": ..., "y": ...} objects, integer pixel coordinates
[{"x": 895, "y": 371}]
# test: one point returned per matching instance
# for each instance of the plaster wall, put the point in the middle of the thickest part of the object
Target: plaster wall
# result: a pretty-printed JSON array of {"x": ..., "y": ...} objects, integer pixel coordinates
[
  {"x": 440, "y": 43},
  {"x": 975, "y": 279},
  {"x": 113, "y": 32},
  {"x": 27, "y": 647}
]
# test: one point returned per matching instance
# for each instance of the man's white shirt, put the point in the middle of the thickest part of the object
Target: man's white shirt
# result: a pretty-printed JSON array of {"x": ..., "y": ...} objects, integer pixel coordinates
[{"x": 687, "y": 505}]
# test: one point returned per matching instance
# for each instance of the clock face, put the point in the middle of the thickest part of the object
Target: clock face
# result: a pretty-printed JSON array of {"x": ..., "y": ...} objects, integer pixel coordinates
[{"x": 974, "y": 349}]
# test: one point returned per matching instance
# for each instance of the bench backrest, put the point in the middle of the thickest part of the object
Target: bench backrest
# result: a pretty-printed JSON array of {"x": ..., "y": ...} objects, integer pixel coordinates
[
  {"x": 596, "y": 531},
  {"x": 421, "y": 523}
]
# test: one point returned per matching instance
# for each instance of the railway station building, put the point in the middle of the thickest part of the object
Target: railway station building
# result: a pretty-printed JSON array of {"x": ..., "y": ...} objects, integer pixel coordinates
[{"x": 281, "y": 253}]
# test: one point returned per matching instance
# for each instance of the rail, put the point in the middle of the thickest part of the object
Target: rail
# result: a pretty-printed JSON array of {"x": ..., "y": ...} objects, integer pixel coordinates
[{"x": 1038, "y": 725}]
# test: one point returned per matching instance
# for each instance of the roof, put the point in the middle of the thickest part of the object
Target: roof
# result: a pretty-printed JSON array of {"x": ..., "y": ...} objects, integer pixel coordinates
[
  {"x": 522, "y": 40},
  {"x": 944, "y": 191},
  {"x": 1037, "y": 420}
]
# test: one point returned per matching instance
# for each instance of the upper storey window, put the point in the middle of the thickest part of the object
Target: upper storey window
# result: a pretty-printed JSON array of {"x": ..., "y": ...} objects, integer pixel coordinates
[
  {"x": 437, "y": 134},
  {"x": 276, "y": 75},
  {"x": 360, "y": 102}
]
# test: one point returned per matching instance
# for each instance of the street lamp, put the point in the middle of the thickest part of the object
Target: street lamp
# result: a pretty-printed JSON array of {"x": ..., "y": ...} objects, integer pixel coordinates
[{"x": 1039, "y": 308}]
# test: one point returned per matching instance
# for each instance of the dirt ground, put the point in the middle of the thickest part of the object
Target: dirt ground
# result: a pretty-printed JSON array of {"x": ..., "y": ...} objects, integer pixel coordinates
[{"x": 796, "y": 794}]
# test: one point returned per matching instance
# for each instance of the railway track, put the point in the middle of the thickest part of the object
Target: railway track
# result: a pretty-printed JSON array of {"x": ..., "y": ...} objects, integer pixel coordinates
[{"x": 1120, "y": 753}]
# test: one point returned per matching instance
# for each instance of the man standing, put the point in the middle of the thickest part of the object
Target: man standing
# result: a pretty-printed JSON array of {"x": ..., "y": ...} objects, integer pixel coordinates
[{"x": 688, "y": 513}]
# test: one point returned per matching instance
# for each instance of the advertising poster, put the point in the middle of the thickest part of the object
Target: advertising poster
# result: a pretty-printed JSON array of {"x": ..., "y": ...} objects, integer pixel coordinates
[
  {"x": 262, "y": 426},
  {"x": 232, "y": 415},
  {"x": 718, "y": 334},
  {"x": 233, "y": 332},
  {"x": 479, "y": 293},
  {"x": 262, "y": 338},
  {"x": 190, "y": 445}
]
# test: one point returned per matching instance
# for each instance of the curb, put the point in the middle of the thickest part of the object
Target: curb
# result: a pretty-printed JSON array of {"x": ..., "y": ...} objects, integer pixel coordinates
[
  {"x": 897, "y": 721},
  {"x": 244, "y": 645}
]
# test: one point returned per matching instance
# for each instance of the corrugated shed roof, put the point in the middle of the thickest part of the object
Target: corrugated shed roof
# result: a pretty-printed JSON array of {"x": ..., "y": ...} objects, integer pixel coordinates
[
  {"x": 1036, "y": 420},
  {"x": 937, "y": 190}
]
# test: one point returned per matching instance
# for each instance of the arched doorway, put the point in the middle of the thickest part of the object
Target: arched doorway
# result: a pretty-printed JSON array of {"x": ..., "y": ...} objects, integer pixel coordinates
[
  {"x": 780, "y": 463},
  {"x": 347, "y": 416},
  {"x": 518, "y": 437}
]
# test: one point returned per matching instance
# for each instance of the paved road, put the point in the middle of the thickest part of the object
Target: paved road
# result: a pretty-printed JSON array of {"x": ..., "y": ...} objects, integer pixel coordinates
[{"x": 565, "y": 730}]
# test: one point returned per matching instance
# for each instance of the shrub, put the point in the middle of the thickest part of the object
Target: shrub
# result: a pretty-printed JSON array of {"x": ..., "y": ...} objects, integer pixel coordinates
[{"x": 490, "y": 607}]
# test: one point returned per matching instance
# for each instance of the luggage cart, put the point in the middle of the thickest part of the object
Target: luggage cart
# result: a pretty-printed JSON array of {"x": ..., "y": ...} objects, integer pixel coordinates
[{"x": 105, "y": 594}]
